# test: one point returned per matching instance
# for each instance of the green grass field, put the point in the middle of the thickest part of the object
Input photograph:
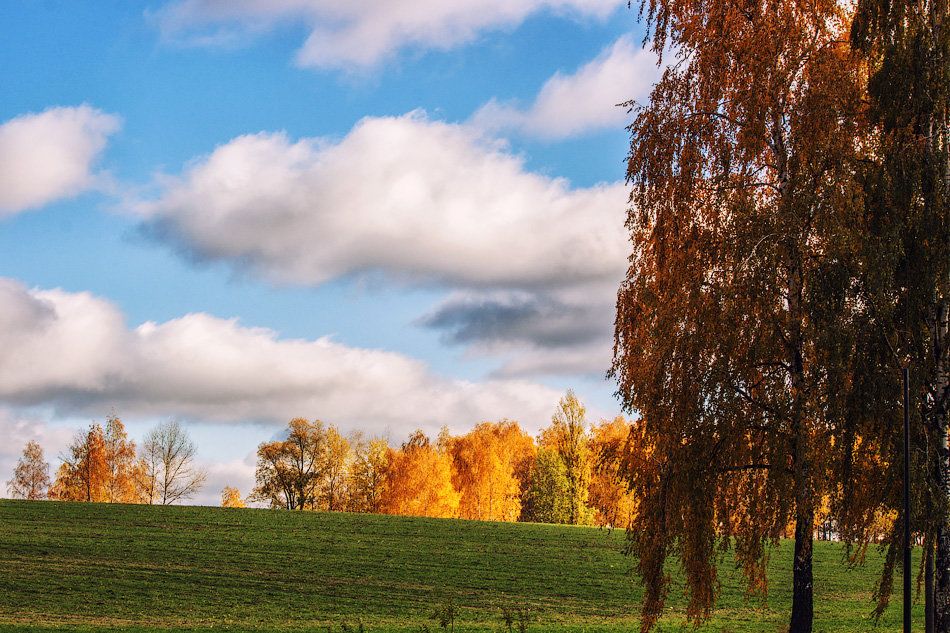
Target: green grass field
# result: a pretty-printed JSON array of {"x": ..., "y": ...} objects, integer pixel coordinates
[{"x": 78, "y": 566}]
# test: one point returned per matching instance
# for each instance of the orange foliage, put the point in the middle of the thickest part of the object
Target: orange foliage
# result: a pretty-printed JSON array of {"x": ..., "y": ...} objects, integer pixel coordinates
[
  {"x": 610, "y": 495},
  {"x": 84, "y": 473},
  {"x": 100, "y": 466},
  {"x": 123, "y": 481},
  {"x": 419, "y": 481},
  {"x": 490, "y": 466}
]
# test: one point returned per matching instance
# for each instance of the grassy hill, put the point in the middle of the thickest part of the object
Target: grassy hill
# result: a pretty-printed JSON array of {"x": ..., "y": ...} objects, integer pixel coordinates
[{"x": 79, "y": 566}]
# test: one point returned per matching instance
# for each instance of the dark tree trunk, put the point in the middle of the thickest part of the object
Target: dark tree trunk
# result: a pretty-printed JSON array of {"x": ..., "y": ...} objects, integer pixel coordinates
[
  {"x": 802, "y": 583},
  {"x": 929, "y": 587}
]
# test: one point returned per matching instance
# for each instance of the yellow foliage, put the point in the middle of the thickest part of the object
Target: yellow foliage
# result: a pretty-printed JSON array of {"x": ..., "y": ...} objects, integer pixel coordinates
[
  {"x": 489, "y": 469},
  {"x": 231, "y": 498},
  {"x": 419, "y": 481}
]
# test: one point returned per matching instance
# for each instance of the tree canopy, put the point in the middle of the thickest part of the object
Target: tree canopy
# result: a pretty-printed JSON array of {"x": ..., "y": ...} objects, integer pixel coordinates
[
  {"x": 732, "y": 325},
  {"x": 31, "y": 475}
]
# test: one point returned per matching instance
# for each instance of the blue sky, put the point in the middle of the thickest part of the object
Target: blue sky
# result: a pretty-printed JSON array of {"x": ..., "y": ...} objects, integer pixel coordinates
[{"x": 387, "y": 216}]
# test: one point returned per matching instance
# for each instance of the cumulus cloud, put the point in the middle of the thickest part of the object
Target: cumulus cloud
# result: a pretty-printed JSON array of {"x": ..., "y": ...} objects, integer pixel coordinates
[
  {"x": 414, "y": 200},
  {"x": 47, "y": 156},
  {"x": 533, "y": 263},
  {"x": 74, "y": 352},
  {"x": 359, "y": 34},
  {"x": 568, "y": 105}
]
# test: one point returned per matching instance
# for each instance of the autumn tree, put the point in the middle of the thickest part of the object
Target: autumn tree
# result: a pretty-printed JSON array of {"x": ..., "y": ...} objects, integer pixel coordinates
[
  {"x": 170, "y": 473},
  {"x": 368, "y": 475},
  {"x": 66, "y": 485},
  {"x": 567, "y": 436},
  {"x": 490, "y": 465},
  {"x": 335, "y": 469},
  {"x": 289, "y": 471},
  {"x": 122, "y": 479},
  {"x": 84, "y": 473},
  {"x": 101, "y": 466},
  {"x": 31, "y": 475},
  {"x": 610, "y": 496},
  {"x": 231, "y": 498},
  {"x": 733, "y": 323},
  {"x": 419, "y": 481}
]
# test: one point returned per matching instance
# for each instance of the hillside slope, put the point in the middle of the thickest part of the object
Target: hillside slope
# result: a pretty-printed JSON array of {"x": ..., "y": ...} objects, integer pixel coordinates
[{"x": 79, "y": 566}]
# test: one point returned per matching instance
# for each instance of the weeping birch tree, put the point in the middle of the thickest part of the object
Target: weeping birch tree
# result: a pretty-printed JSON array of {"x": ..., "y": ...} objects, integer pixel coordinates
[{"x": 730, "y": 341}]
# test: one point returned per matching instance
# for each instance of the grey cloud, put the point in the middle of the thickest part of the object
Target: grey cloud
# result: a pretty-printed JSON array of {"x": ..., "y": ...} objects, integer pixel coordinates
[{"x": 529, "y": 319}]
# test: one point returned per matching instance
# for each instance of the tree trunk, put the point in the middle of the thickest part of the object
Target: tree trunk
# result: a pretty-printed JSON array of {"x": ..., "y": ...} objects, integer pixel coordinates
[
  {"x": 802, "y": 581},
  {"x": 802, "y": 584},
  {"x": 929, "y": 586}
]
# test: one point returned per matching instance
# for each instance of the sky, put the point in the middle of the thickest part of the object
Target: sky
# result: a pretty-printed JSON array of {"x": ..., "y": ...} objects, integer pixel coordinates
[{"x": 387, "y": 216}]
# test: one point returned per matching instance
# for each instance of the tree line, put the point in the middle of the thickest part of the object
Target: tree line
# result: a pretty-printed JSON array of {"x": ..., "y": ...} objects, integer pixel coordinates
[
  {"x": 570, "y": 474},
  {"x": 573, "y": 472},
  {"x": 103, "y": 465},
  {"x": 791, "y": 256},
  {"x": 495, "y": 472}
]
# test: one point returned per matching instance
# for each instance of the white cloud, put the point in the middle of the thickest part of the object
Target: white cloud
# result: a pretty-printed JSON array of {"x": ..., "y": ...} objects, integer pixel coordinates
[
  {"x": 47, "y": 156},
  {"x": 568, "y": 105},
  {"x": 73, "y": 351},
  {"x": 236, "y": 473},
  {"x": 534, "y": 264},
  {"x": 415, "y": 200},
  {"x": 347, "y": 34},
  {"x": 18, "y": 428}
]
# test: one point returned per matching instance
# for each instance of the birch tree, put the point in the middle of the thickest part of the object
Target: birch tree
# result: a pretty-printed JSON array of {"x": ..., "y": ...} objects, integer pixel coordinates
[
  {"x": 489, "y": 469},
  {"x": 31, "y": 475},
  {"x": 169, "y": 455},
  {"x": 122, "y": 482},
  {"x": 567, "y": 436},
  {"x": 84, "y": 473},
  {"x": 729, "y": 335},
  {"x": 368, "y": 474},
  {"x": 419, "y": 481}
]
